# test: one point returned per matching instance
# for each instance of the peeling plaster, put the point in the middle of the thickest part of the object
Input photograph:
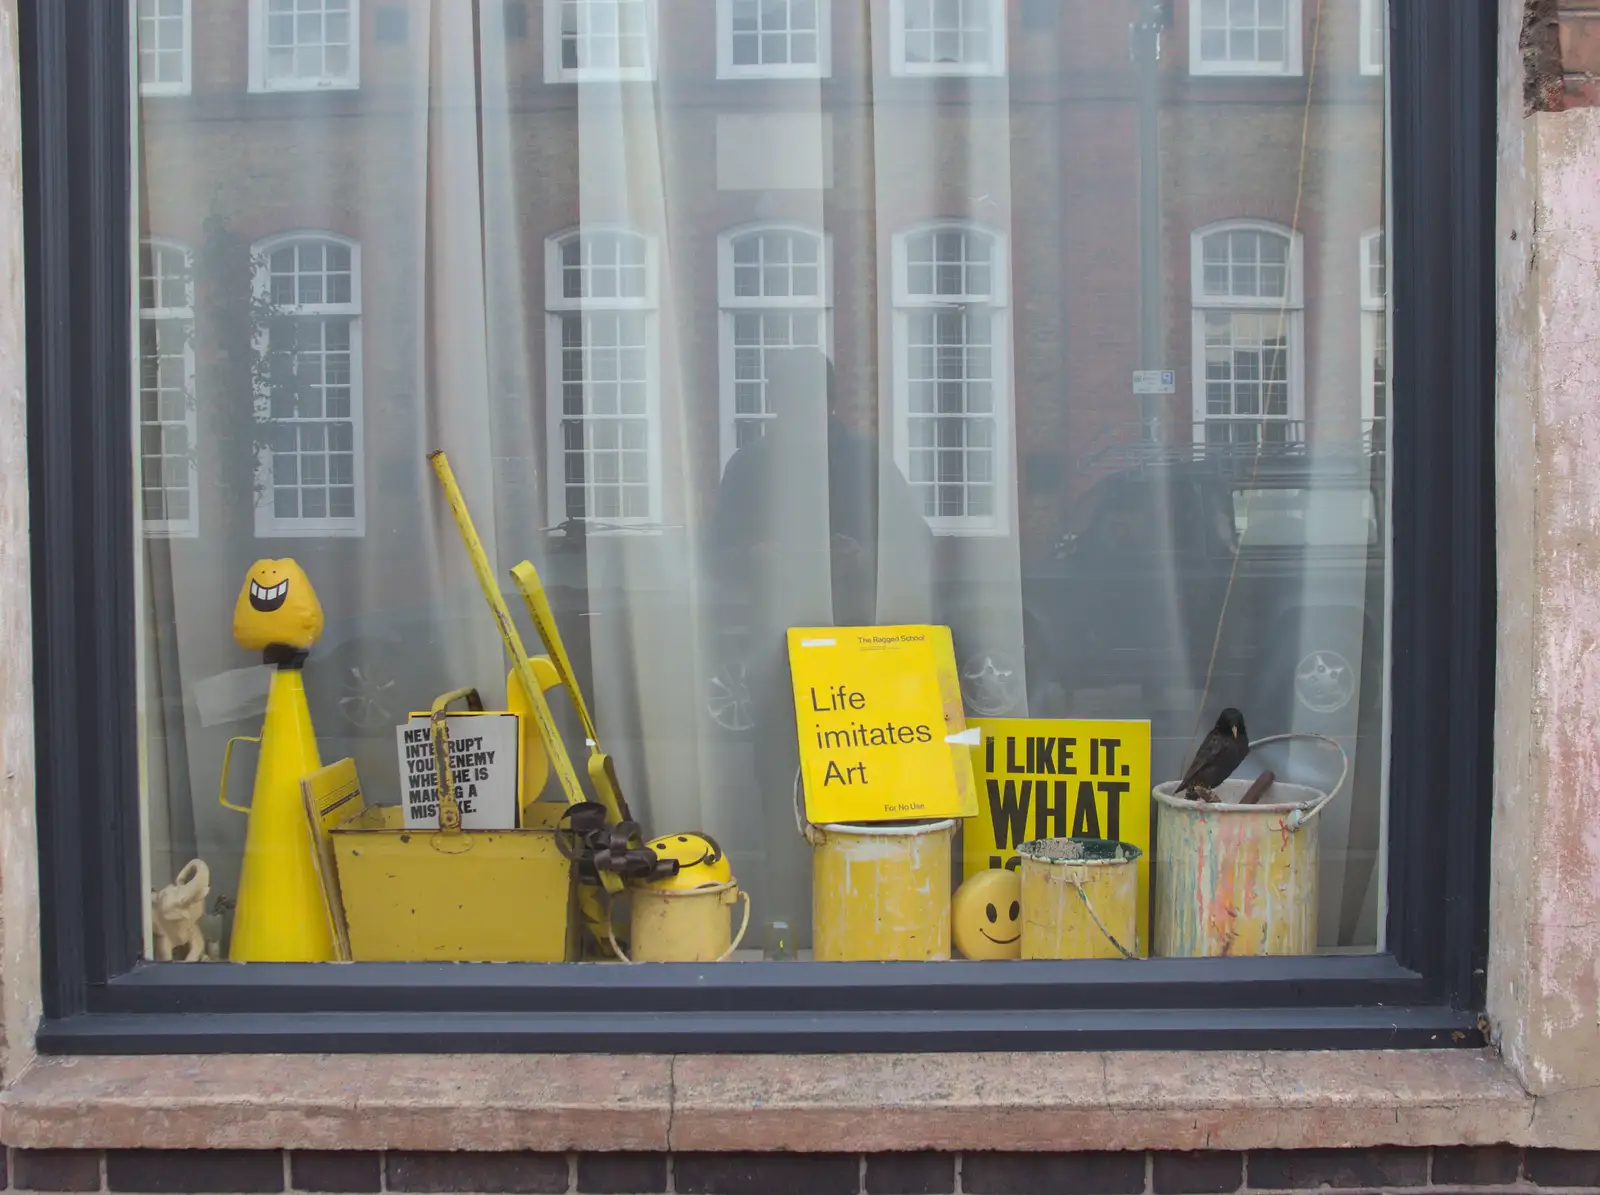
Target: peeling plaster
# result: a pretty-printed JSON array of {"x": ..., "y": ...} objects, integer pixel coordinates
[{"x": 1544, "y": 973}]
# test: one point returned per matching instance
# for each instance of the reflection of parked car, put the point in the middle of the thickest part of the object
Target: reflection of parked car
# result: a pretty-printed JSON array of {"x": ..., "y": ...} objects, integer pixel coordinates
[{"x": 1288, "y": 543}]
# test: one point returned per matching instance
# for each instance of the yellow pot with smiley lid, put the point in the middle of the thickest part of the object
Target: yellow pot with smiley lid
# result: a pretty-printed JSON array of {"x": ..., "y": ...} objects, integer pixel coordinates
[{"x": 686, "y": 917}]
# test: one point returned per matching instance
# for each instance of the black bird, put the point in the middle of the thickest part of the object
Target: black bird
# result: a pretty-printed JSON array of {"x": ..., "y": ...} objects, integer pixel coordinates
[{"x": 1219, "y": 756}]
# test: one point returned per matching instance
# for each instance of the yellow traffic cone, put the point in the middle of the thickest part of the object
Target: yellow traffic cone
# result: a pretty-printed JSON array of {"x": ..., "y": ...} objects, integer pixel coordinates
[{"x": 281, "y": 913}]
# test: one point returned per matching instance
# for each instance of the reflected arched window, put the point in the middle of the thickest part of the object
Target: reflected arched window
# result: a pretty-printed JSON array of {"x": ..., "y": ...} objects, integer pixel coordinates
[
  {"x": 947, "y": 37},
  {"x": 773, "y": 290},
  {"x": 952, "y": 394},
  {"x": 602, "y": 398},
  {"x": 311, "y": 461},
  {"x": 1245, "y": 37},
  {"x": 1374, "y": 328},
  {"x": 166, "y": 415},
  {"x": 593, "y": 41},
  {"x": 164, "y": 47},
  {"x": 1248, "y": 359}
]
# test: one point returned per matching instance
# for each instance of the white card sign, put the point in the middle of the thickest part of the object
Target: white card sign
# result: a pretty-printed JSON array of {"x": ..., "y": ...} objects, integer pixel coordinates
[{"x": 483, "y": 760}]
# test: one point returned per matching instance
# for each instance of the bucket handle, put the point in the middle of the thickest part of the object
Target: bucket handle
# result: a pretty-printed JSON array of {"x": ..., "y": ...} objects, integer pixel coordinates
[
  {"x": 1110, "y": 937},
  {"x": 227, "y": 758},
  {"x": 1300, "y": 817},
  {"x": 438, "y": 720},
  {"x": 611, "y": 932}
]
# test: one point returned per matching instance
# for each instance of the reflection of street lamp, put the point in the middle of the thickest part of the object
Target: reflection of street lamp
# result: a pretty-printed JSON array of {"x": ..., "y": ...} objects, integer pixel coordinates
[{"x": 1151, "y": 17}]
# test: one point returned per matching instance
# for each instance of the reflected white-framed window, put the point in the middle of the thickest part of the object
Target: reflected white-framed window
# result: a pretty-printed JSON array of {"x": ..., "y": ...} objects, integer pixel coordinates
[
  {"x": 1374, "y": 328},
  {"x": 168, "y": 468},
  {"x": 947, "y": 37},
  {"x": 1374, "y": 36},
  {"x": 773, "y": 39},
  {"x": 165, "y": 33},
  {"x": 602, "y": 370},
  {"x": 305, "y": 45},
  {"x": 774, "y": 292},
  {"x": 1244, "y": 37},
  {"x": 309, "y": 405},
  {"x": 952, "y": 401},
  {"x": 1249, "y": 360},
  {"x": 593, "y": 41}
]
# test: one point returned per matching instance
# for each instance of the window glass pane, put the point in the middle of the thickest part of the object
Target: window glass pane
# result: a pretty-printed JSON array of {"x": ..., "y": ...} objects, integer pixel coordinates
[{"x": 727, "y": 359}]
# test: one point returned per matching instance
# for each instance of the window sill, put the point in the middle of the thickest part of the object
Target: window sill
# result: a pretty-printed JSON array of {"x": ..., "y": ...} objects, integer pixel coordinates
[{"x": 886, "y": 1102}]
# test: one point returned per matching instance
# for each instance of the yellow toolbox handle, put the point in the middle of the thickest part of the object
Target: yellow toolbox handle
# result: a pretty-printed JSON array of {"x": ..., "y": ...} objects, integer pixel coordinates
[
  {"x": 439, "y": 720},
  {"x": 227, "y": 758}
]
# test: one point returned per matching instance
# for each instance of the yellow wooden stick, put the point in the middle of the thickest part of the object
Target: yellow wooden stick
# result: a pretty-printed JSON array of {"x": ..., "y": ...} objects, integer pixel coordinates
[
  {"x": 602, "y": 773},
  {"x": 544, "y": 621}
]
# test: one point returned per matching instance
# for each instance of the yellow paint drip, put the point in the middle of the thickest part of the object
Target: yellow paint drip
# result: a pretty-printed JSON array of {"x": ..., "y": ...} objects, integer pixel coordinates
[
  {"x": 1077, "y": 906},
  {"x": 881, "y": 892}
]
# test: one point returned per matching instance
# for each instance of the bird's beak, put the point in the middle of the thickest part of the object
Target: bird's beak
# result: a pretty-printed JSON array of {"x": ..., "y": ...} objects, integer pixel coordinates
[{"x": 1235, "y": 732}]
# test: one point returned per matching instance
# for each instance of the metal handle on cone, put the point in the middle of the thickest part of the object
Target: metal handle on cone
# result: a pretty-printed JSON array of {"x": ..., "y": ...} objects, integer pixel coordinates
[{"x": 227, "y": 759}]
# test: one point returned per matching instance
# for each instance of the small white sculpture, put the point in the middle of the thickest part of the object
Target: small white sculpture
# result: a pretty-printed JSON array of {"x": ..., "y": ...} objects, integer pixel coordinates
[{"x": 175, "y": 914}]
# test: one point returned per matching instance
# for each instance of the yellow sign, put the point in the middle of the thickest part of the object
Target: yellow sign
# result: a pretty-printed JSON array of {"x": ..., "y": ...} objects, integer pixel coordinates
[
  {"x": 1060, "y": 778},
  {"x": 882, "y": 734}
]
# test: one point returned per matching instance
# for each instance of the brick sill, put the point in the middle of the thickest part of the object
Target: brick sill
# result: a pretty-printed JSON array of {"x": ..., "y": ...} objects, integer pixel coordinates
[{"x": 890, "y": 1102}]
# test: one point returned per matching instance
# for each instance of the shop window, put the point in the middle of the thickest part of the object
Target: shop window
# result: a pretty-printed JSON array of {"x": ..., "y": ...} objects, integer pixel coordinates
[
  {"x": 948, "y": 37},
  {"x": 599, "y": 40},
  {"x": 304, "y": 45},
  {"x": 168, "y": 469},
  {"x": 309, "y": 388},
  {"x": 573, "y": 349},
  {"x": 772, "y": 286},
  {"x": 1244, "y": 37},
  {"x": 773, "y": 39},
  {"x": 164, "y": 34},
  {"x": 604, "y": 378},
  {"x": 1374, "y": 36},
  {"x": 1247, "y": 330}
]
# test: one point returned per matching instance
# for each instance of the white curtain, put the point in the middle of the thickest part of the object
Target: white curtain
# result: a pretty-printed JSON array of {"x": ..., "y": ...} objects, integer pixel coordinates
[{"x": 557, "y": 246}]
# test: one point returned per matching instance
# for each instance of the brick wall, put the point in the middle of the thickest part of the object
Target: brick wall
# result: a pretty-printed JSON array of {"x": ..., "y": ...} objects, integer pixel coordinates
[{"x": 1456, "y": 1170}]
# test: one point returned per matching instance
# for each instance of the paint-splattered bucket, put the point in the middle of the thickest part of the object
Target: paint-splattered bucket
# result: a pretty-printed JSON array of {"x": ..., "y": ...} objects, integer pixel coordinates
[
  {"x": 880, "y": 891},
  {"x": 1238, "y": 880},
  {"x": 1080, "y": 898}
]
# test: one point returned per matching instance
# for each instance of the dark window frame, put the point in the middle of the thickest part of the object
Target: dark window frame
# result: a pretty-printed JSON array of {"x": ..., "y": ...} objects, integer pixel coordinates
[{"x": 99, "y": 997}]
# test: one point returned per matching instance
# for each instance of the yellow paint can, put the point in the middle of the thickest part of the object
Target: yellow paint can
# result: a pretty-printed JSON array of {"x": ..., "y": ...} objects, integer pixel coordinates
[
  {"x": 1080, "y": 898},
  {"x": 1239, "y": 880},
  {"x": 689, "y": 925},
  {"x": 880, "y": 891}
]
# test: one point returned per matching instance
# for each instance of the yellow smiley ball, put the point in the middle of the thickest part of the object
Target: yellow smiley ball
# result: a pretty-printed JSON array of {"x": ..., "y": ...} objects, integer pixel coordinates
[{"x": 986, "y": 915}]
